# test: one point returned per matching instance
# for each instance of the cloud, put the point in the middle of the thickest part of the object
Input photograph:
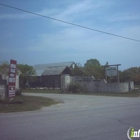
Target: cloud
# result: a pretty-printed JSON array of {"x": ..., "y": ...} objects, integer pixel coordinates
[
  {"x": 15, "y": 16},
  {"x": 77, "y": 9},
  {"x": 48, "y": 12},
  {"x": 123, "y": 17},
  {"x": 80, "y": 44},
  {"x": 62, "y": 39},
  {"x": 68, "y": 13},
  {"x": 25, "y": 15}
]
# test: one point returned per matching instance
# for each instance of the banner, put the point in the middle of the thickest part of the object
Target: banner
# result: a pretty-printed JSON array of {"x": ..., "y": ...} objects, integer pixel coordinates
[{"x": 12, "y": 78}]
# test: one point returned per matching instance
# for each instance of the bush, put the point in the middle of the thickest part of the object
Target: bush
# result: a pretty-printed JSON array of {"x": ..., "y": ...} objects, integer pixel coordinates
[
  {"x": 76, "y": 88},
  {"x": 18, "y": 92}
]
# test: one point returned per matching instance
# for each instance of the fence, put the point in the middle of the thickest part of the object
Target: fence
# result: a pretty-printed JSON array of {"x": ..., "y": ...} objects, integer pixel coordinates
[
  {"x": 3, "y": 84},
  {"x": 93, "y": 85},
  {"x": 2, "y": 91}
]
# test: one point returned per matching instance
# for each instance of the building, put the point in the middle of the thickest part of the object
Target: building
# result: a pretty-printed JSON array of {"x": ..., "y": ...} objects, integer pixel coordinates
[
  {"x": 49, "y": 75},
  {"x": 40, "y": 68}
]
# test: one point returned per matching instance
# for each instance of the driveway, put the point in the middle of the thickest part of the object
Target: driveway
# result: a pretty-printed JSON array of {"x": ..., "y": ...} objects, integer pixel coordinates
[{"x": 79, "y": 117}]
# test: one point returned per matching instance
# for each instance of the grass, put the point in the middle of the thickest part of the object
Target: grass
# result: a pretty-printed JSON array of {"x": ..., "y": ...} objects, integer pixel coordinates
[
  {"x": 137, "y": 86},
  {"x": 41, "y": 90},
  {"x": 127, "y": 94},
  {"x": 25, "y": 103}
]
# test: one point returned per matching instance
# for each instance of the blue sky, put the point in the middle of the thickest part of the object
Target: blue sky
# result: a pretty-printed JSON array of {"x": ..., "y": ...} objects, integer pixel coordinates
[{"x": 31, "y": 39}]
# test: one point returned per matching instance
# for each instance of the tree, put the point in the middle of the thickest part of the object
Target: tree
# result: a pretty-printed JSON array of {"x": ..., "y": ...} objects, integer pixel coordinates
[
  {"x": 132, "y": 73},
  {"x": 93, "y": 68},
  {"x": 93, "y": 62},
  {"x": 26, "y": 72},
  {"x": 4, "y": 67},
  {"x": 77, "y": 71}
]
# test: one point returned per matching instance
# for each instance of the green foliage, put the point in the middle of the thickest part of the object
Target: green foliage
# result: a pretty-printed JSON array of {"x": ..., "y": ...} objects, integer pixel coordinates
[
  {"x": 26, "y": 72},
  {"x": 77, "y": 71},
  {"x": 93, "y": 68},
  {"x": 18, "y": 92},
  {"x": 93, "y": 62},
  {"x": 76, "y": 88},
  {"x": 132, "y": 73},
  {"x": 4, "y": 67},
  {"x": 96, "y": 71}
]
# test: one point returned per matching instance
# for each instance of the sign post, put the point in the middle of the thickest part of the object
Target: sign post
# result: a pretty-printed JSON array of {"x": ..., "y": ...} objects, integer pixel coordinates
[
  {"x": 111, "y": 70},
  {"x": 12, "y": 79}
]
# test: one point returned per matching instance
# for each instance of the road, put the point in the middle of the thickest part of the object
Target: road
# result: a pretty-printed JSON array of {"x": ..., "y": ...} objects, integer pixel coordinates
[{"x": 79, "y": 117}]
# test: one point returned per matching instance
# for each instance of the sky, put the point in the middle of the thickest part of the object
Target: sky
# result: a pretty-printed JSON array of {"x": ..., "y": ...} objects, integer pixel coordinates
[{"x": 32, "y": 39}]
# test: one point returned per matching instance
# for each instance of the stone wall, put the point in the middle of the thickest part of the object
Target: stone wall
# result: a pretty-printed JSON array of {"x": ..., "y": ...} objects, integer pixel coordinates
[
  {"x": 2, "y": 91},
  {"x": 93, "y": 85},
  {"x": 65, "y": 81},
  {"x": 102, "y": 86}
]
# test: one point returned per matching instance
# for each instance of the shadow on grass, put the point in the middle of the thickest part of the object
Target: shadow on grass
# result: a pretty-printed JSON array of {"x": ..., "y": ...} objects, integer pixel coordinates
[{"x": 25, "y": 103}]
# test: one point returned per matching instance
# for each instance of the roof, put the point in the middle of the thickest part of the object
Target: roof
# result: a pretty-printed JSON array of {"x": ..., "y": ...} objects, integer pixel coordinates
[
  {"x": 58, "y": 70},
  {"x": 40, "y": 68}
]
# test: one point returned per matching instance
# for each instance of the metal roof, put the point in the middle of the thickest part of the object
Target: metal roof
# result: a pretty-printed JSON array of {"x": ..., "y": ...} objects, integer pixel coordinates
[
  {"x": 40, "y": 68},
  {"x": 54, "y": 70}
]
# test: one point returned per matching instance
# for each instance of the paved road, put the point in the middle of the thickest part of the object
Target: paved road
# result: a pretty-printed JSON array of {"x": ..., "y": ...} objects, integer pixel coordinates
[{"x": 79, "y": 117}]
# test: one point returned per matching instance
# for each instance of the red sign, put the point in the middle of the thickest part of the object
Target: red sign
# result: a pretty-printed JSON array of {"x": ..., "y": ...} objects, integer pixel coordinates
[{"x": 12, "y": 78}]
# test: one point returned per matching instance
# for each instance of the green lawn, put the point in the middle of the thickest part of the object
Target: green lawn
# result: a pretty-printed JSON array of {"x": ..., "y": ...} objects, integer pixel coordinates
[
  {"x": 41, "y": 91},
  {"x": 127, "y": 94},
  {"x": 25, "y": 103}
]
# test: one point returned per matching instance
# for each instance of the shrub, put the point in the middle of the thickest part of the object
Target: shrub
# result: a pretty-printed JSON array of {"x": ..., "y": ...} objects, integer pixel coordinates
[
  {"x": 76, "y": 88},
  {"x": 18, "y": 92}
]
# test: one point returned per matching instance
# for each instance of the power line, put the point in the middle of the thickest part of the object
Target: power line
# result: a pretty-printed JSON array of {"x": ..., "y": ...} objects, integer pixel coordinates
[{"x": 69, "y": 23}]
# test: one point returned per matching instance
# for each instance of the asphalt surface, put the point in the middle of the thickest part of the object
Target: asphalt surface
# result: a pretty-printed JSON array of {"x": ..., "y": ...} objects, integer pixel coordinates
[{"x": 79, "y": 117}]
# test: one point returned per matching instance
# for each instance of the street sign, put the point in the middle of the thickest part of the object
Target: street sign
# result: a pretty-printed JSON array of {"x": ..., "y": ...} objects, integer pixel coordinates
[
  {"x": 111, "y": 71},
  {"x": 12, "y": 78}
]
